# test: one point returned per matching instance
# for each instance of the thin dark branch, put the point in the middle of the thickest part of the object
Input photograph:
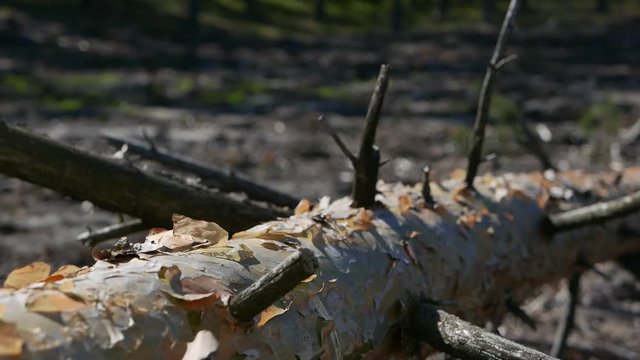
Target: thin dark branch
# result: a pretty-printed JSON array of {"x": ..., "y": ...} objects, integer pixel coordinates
[
  {"x": 516, "y": 311},
  {"x": 367, "y": 164},
  {"x": 273, "y": 285},
  {"x": 484, "y": 102},
  {"x": 336, "y": 138},
  {"x": 372, "y": 118},
  {"x": 456, "y": 337},
  {"x": 567, "y": 322},
  {"x": 533, "y": 143},
  {"x": 230, "y": 183},
  {"x": 593, "y": 214},
  {"x": 92, "y": 237}
]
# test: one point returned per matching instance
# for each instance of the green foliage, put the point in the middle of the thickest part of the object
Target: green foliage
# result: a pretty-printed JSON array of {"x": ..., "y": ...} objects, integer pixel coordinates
[
  {"x": 461, "y": 138},
  {"x": 604, "y": 116},
  {"x": 19, "y": 84}
]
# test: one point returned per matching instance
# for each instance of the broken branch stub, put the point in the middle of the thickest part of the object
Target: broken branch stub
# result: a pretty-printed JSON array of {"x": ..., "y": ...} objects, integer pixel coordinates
[
  {"x": 368, "y": 163},
  {"x": 273, "y": 285},
  {"x": 593, "y": 214},
  {"x": 456, "y": 337}
]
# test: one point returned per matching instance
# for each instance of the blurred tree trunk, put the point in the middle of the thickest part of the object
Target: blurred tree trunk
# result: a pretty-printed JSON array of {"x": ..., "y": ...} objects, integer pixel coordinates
[
  {"x": 193, "y": 31},
  {"x": 441, "y": 9},
  {"x": 320, "y": 10},
  {"x": 250, "y": 9},
  {"x": 488, "y": 10},
  {"x": 397, "y": 15},
  {"x": 602, "y": 6}
]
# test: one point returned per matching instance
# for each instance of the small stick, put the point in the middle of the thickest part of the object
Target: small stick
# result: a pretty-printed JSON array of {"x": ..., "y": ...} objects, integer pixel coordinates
[
  {"x": 593, "y": 214},
  {"x": 484, "y": 103},
  {"x": 461, "y": 339},
  {"x": 426, "y": 187},
  {"x": 567, "y": 323},
  {"x": 273, "y": 285},
  {"x": 91, "y": 238},
  {"x": 516, "y": 311}
]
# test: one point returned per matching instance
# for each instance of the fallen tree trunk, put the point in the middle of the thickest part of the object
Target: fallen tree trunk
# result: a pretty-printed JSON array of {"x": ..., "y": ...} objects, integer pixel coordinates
[
  {"x": 119, "y": 188},
  {"x": 469, "y": 252}
]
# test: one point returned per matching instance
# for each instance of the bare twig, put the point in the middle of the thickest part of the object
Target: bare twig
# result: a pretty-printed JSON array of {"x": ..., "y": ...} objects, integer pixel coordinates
[
  {"x": 484, "y": 103},
  {"x": 566, "y": 325},
  {"x": 516, "y": 311},
  {"x": 533, "y": 143},
  {"x": 92, "y": 237},
  {"x": 592, "y": 214},
  {"x": 233, "y": 182},
  {"x": 366, "y": 168},
  {"x": 273, "y": 285},
  {"x": 336, "y": 138},
  {"x": 456, "y": 337}
]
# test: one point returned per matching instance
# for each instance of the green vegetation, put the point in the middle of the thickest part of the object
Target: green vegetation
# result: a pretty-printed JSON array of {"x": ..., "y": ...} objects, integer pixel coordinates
[{"x": 604, "y": 116}]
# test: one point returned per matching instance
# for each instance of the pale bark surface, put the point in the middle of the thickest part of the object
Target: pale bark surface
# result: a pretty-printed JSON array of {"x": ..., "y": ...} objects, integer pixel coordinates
[{"x": 470, "y": 253}]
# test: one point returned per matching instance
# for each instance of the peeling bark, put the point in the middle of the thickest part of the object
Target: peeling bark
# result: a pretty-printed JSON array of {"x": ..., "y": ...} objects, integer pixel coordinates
[{"x": 469, "y": 253}]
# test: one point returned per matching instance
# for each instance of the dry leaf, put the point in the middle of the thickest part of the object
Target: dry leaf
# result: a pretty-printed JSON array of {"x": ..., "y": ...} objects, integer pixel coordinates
[
  {"x": 304, "y": 206},
  {"x": 203, "y": 345},
  {"x": 26, "y": 275},
  {"x": 271, "y": 312},
  {"x": 67, "y": 271},
  {"x": 10, "y": 340},
  {"x": 200, "y": 229},
  {"x": 272, "y": 246},
  {"x": 53, "y": 301},
  {"x": 404, "y": 203}
]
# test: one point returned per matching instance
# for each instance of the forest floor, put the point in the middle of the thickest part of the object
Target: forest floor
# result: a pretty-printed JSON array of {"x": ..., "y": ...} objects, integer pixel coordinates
[{"x": 252, "y": 105}]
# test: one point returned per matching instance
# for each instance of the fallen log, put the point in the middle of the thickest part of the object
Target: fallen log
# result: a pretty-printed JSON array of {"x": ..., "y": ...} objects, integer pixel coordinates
[
  {"x": 119, "y": 188},
  {"x": 470, "y": 251}
]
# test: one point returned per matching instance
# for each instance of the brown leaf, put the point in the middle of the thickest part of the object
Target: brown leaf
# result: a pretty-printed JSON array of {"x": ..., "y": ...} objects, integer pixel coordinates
[
  {"x": 10, "y": 340},
  {"x": 26, "y": 275},
  {"x": 271, "y": 312},
  {"x": 67, "y": 271},
  {"x": 53, "y": 301},
  {"x": 272, "y": 246},
  {"x": 304, "y": 206},
  {"x": 405, "y": 203},
  {"x": 200, "y": 230}
]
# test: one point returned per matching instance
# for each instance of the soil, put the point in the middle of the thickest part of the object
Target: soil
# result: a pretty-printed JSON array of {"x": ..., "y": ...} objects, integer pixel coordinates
[{"x": 252, "y": 106}]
